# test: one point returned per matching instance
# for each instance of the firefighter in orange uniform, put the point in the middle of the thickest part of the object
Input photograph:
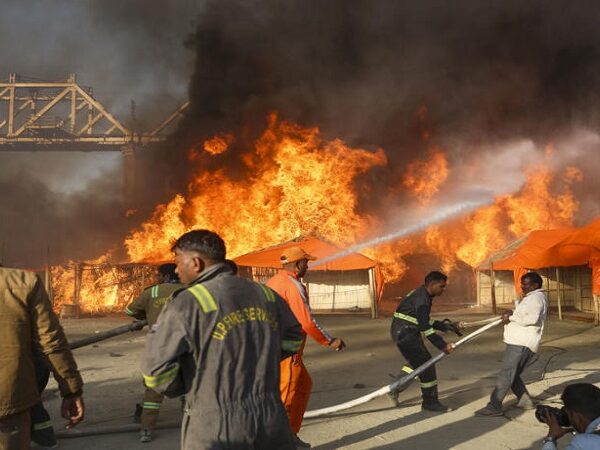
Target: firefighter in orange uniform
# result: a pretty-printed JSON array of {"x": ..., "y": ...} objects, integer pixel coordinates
[{"x": 295, "y": 382}]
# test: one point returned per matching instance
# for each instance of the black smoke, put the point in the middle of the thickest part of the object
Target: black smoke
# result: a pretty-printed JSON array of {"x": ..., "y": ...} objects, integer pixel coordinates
[{"x": 485, "y": 73}]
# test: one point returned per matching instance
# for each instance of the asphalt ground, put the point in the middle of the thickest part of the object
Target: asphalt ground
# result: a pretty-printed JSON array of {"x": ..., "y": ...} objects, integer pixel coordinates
[{"x": 569, "y": 353}]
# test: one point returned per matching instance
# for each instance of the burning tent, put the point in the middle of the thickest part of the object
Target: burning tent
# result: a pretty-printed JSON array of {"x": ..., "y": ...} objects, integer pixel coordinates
[
  {"x": 350, "y": 283},
  {"x": 567, "y": 259}
]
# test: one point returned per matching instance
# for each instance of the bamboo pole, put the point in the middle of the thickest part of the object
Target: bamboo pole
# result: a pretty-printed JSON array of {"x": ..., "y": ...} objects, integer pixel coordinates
[
  {"x": 493, "y": 291},
  {"x": 558, "y": 293}
]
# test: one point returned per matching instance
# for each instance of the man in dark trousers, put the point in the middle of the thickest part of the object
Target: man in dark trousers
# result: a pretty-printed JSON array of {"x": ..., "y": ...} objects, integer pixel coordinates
[
  {"x": 411, "y": 319},
  {"x": 148, "y": 306},
  {"x": 219, "y": 342}
]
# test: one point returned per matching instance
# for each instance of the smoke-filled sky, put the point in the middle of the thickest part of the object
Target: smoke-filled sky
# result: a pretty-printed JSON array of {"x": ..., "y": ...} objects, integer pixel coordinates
[{"x": 501, "y": 79}]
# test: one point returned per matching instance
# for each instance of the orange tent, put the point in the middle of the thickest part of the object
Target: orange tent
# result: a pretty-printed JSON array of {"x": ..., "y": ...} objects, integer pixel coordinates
[
  {"x": 269, "y": 258},
  {"x": 553, "y": 248}
]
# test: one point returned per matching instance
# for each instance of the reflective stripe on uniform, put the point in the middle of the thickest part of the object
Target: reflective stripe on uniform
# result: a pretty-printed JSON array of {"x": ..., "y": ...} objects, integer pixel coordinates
[
  {"x": 429, "y": 384},
  {"x": 129, "y": 312},
  {"x": 151, "y": 405},
  {"x": 291, "y": 346},
  {"x": 268, "y": 293},
  {"x": 154, "y": 291},
  {"x": 205, "y": 298},
  {"x": 164, "y": 378},
  {"x": 407, "y": 369},
  {"x": 410, "y": 319},
  {"x": 429, "y": 332},
  {"x": 42, "y": 425}
]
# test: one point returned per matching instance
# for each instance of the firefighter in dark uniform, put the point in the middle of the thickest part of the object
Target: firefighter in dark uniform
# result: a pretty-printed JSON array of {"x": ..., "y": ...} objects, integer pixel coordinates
[
  {"x": 411, "y": 319},
  {"x": 148, "y": 306},
  {"x": 219, "y": 342}
]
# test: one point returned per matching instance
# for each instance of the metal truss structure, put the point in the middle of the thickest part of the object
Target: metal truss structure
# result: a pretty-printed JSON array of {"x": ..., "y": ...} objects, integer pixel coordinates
[{"x": 43, "y": 116}]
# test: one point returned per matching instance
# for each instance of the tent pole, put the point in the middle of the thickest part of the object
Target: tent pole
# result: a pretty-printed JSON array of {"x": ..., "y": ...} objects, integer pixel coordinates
[
  {"x": 493, "y": 291},
  {"x": 373, "y": 293},
  {"x": 558, "y": 294},
  {"x": 595, "y": 299}
]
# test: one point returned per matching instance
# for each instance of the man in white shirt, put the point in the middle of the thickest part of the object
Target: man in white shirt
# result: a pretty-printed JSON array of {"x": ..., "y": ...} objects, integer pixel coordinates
[{"x": 522, "y": 335}]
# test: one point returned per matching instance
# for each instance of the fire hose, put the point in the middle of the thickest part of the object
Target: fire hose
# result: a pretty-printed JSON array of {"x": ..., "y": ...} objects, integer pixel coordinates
[
  {"x": 492, "y": 322},
  {"x": 134, "y": 326}
]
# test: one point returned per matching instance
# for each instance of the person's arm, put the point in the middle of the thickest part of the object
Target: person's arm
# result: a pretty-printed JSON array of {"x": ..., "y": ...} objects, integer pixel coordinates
[
  {"x": 137, "y": 308},
  {"x": 528, "y": 312},
  {"x": 50, "y": 338},
  {"x": 166, "y": 343},
  {"x": 422, "y": 312}
]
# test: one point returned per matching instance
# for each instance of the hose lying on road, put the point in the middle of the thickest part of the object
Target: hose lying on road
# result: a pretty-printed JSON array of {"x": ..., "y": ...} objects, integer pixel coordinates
[
  {"x": 134, "y": 326},
  {"x": 405, "y": 379}
]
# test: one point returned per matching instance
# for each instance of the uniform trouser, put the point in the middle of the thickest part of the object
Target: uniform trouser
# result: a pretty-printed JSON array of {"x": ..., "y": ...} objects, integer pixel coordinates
[
  {"x": 41, "y": 425},
  {"x": 15, "y": 432},
  {"x": 253, "y": 424},
  {"x": 151, "y": 409},
  {"x": 516, "y": 358},
  {"x": 295, "y": 386},
  {"x": 413, "y": 348}
]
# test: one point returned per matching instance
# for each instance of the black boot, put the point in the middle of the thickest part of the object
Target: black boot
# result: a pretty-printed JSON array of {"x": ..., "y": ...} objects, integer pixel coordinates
[
  {"x": 137, "y": 415},
  {"x": 431, "y": 402}
]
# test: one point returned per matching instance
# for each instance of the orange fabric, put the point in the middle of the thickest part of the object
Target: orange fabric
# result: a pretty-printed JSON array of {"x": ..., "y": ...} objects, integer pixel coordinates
[
  {"x": 595, "y": 264},
  {"x": 518, "y": 273},
  {"x": 295, "y": 386},
  {"x": 270, "y": 257},
  {"x": 535, "y": 251},
  {"x": 283, "y": 284}
]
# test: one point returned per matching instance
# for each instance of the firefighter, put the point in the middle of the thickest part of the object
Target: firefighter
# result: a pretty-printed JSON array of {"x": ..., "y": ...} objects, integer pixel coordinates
[
  {"x": 296, "y": 382},
  {"x": 219, "y": 342},
  {"x": 148, "y": 306},
  {"x": 28, "y": 323},
  {"x": 410, "y": 320}
]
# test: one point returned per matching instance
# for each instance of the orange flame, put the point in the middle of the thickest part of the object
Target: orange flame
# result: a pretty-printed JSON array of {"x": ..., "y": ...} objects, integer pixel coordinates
[
  {"x": 424, "y": 178},
  {"x": 297, "y": 184}
]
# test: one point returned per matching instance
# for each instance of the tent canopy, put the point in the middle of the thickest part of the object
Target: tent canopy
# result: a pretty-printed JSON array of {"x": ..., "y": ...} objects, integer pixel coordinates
[{"x": 269, "y": 257}]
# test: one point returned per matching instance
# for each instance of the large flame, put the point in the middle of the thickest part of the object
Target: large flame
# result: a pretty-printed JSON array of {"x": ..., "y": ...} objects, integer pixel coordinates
[{"x": 296, "y": 183}]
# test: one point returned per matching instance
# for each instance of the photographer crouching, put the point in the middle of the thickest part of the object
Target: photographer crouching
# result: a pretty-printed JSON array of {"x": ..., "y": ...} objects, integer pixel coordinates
[{"x": 580, "y": 413}]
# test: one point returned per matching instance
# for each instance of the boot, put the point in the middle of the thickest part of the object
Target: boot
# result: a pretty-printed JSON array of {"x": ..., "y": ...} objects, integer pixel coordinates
[
  {"x": 137, "y": 415},
  {"x": 431, "y": 402}
]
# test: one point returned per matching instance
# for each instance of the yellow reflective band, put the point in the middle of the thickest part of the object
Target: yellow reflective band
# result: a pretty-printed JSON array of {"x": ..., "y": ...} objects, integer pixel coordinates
[
  {"x": 151, "y": 405},
  {"x": 429, "y": 332},
  {"x": 42, "y": 425},
  {"x": 430, "y": 384},
  {"x": 205, "y": 298},
  {"x": 268, "y": 293},
  {"x": 407, "y": 369},
  {"x": 410, "y": 319},
  {"x": 431, "y": 321},
  {"x": 129, "y": 312},
  {"x": 167, "y": 377},
  {"x": 291, "y": 346},
  {"x": 154, "y": 291}
]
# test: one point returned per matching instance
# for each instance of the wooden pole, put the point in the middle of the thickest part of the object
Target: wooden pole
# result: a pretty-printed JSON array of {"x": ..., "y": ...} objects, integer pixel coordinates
[
  {"x": 493, "y": 291},
  {"x": 578, "y": 288},
  {"x": 373, "y": 292},
  {"x": 596, "y": 299},
  {"x": 558, "y": 294}
]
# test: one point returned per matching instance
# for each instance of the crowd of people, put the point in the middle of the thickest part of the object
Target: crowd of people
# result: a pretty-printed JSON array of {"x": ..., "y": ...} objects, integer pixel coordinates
[{"x": 232, "y": 349}]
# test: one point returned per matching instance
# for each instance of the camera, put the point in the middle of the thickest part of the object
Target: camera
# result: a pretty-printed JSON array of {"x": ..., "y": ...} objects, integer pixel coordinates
[{"x": 559, "y": 413}]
